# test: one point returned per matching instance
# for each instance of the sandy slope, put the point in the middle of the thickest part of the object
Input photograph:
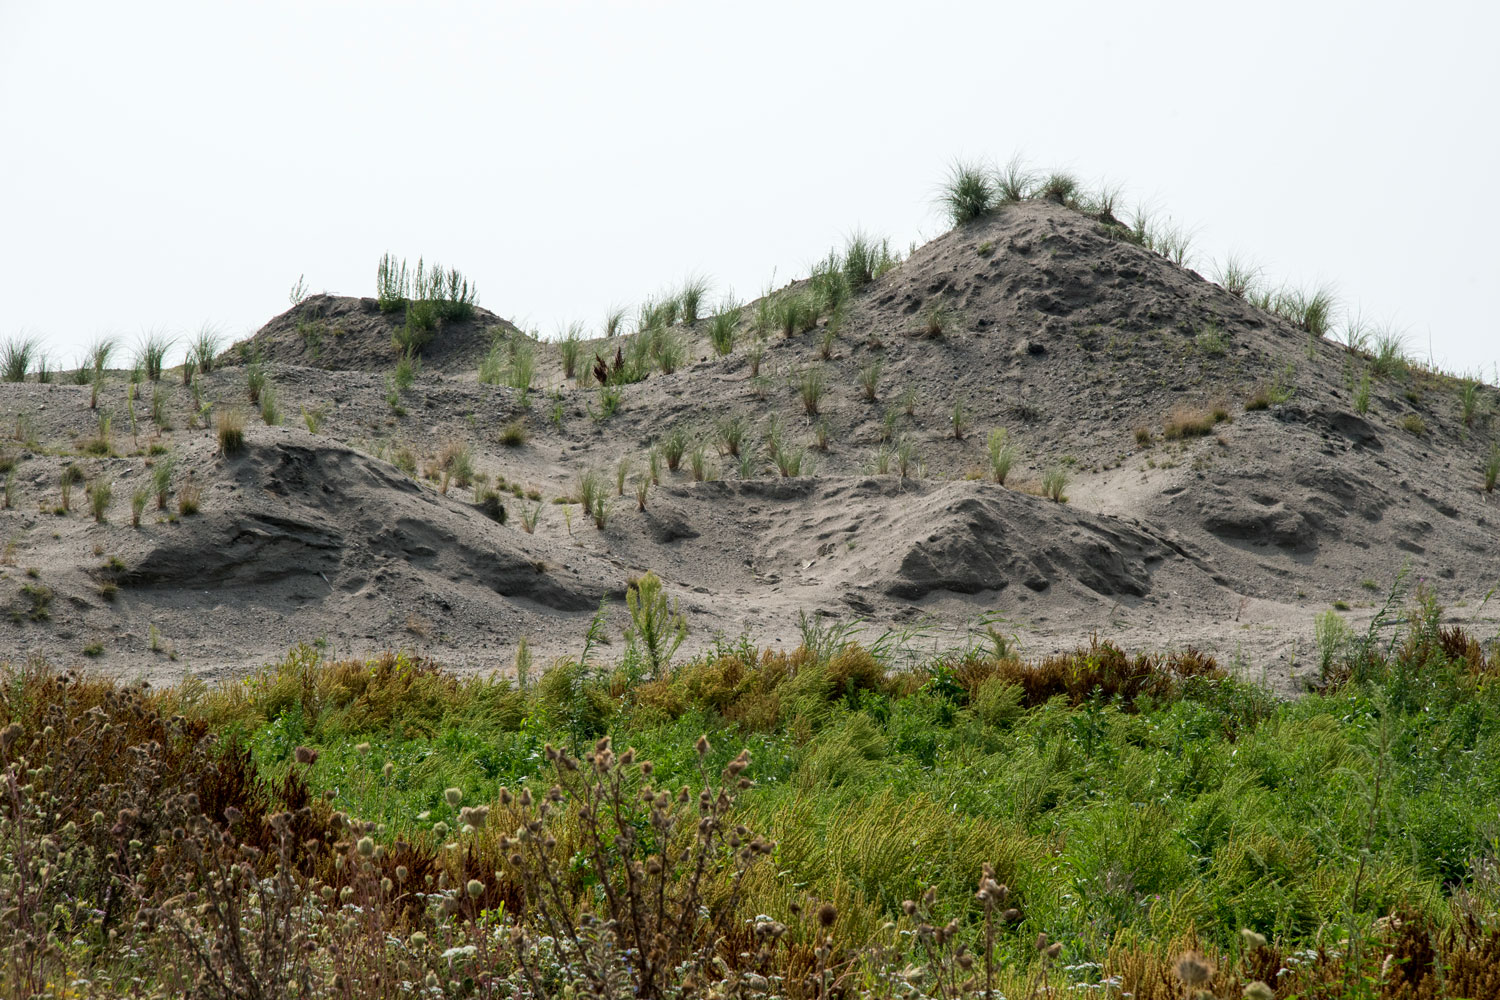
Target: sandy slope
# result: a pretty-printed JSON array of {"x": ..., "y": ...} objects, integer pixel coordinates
[{"x": 1065, "y": 337}]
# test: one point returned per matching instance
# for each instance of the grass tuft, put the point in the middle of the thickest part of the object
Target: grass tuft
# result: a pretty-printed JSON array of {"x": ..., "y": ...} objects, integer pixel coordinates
[
  {"x": 230, "y": 425},
  {"x": 968, "y": 193}
]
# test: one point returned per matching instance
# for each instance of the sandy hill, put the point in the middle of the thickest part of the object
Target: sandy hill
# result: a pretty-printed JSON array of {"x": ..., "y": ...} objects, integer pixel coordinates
[{"x": 1227, "y": 475}]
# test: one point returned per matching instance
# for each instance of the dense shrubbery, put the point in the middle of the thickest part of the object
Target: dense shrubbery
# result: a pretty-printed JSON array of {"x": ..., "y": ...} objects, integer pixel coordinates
[{"x": 383, "y": 828}]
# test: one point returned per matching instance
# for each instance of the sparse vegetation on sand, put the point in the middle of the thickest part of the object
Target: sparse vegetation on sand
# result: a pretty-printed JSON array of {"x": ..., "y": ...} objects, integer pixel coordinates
[{"x": 392, "y": 822}]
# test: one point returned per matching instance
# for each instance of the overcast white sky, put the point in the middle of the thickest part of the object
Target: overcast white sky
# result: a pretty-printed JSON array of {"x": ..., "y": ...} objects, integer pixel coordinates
[{"x": 164, "y": 164}]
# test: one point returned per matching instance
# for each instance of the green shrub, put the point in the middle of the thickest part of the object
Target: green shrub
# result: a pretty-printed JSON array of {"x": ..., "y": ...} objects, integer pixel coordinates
[{"x": 270, "y": 409}]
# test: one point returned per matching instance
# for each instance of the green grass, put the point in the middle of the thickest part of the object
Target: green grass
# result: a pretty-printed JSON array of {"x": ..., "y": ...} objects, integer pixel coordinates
[
  {"x": 1002, "y": 454},
  {"x": 968, "y": 193},
  {"x": 811, "y": 386},
  {"x": 1132, "y": 806},
  {"x": 1014, "y": 183},
  {"x": 721, "y": 330},
  {"x": 1055, "y": 484},
  {"x": 1311, "y": 311},
  {"x": 1237, "y": 276},
  {"x": 204, "y": 349},
  {"x": 151, "y": 353},
  {"x": 16, "y": 356},
  {"x": 691, "y": 298}
]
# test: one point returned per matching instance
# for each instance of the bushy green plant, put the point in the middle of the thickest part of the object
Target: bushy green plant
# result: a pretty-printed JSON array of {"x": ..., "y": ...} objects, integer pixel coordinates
[
  {"x": 690, "y": 299},
  {"x": 16, "y": 356},
  {"x": 721, "y": 330},
  {"x": 151, "y": 353},
  {"x": 657, "y": 627},
  {"x": 968, "y": 193}
]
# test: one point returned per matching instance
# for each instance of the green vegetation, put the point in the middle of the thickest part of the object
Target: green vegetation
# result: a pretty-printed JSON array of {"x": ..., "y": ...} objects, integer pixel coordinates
[
  {"x": 100, "y": 492},
  {"x": 1141, "y": 821},
  {"x": 1002, "y": 454},
  {"x": 231, "y": 428},
  {"x": 673, "y": 446},
  {"x": 568, "y": 349},
  {"x": 151, "y": 354},
  {"x": 511, "y": 361},
  {"x": 1237, "y": 277},
  {"x": 721, "y": 329},
  {"x": 16, "y": 355},
  {"x": 690, "y": 300},
  {"x": 958, "y": 419},
  {"x": 968, "y": 193},
  {"x": 270, "y": 409},
  {"x": 811, "y": 384},
  {"x": 430, "y": 296},
  {"x": 1055, "y": 483}
]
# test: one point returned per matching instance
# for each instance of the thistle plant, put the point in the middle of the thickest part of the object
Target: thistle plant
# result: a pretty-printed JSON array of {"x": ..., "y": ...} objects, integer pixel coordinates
[
  {"x": 654, "y": 852},
  {"x": 657, "y": 627}
]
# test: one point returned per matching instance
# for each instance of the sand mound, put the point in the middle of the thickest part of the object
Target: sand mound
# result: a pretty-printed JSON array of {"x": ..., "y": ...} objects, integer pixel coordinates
[
  {"x": 1223, "y": 485},
  {"x": 348, "y": 334}
]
